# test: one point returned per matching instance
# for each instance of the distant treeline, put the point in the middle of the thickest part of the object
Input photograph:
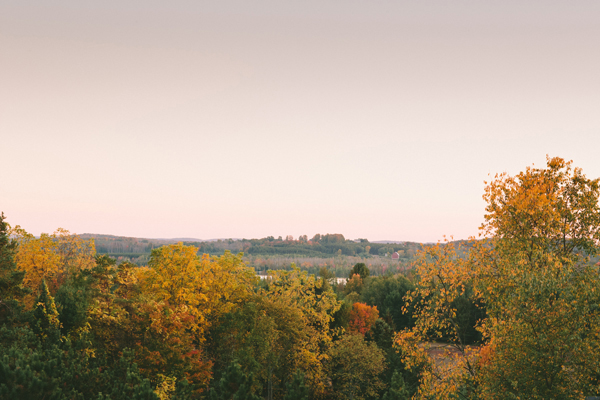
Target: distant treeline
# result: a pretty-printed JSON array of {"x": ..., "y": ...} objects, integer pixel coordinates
[
  {"x": 137, "y": 250},
  {"x": 124, "y": 246},
  {"x": 329, "y": 245}
]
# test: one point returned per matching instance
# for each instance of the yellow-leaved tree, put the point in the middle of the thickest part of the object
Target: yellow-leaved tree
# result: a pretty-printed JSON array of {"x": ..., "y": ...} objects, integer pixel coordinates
[
  {"x": 163, "y": 311},
  {"x": 182, "y": 294},
  {"x": 51, "y": 257},
  {"x": 532, "y": 271},
  {"x": 437, "y": 345},
  {"x": 204, "y": 286},
  {"x": 317, "y": 304}
]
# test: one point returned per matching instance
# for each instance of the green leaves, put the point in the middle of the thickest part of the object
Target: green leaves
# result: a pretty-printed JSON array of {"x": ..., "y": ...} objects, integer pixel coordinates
[
  {"x": 233, "y": 385},
  {"x": 31, "y": 369},
  {"x": 398, "y": 389},
  {"x": 296, "y": 389},
  {"x": 387, "y": 293},
  {"x": 360, "y": 269},
  {"x": 46, "y": 322},
  {"x": 355, "y": 367},
  {"x": 11, "y": 279}
]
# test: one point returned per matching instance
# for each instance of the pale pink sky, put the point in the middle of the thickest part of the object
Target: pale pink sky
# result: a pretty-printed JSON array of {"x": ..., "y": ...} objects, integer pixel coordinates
[{"x": 376, "y": 119}]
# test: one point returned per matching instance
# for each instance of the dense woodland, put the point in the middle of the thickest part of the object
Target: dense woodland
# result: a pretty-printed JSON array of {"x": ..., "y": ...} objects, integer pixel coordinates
[{"x": 513, "y": 314}]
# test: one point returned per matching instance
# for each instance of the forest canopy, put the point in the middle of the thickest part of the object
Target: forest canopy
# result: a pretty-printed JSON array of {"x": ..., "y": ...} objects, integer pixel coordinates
[{"x": 514, "y": 313}]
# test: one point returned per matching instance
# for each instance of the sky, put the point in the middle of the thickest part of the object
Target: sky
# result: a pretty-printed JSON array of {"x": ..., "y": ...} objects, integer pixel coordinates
[{"x": 376, "y": 119}]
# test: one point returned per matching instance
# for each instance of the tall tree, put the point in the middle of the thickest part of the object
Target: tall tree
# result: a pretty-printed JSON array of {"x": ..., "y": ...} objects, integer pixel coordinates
[
  {"x": 11, "y": 279},
  {"x": 267, "y": 337},
  {"x": 46, "y": 320},
  {"x": 355, "y": 368},
  {"x": 51, "y": 257},
  {"x": 541, "y": 294},
  {"x": 182, "y": 295},
  {"x": 317, "y": 306},
  {"x": 397, "y": 389},
  {"x": 205, "y": 286}
]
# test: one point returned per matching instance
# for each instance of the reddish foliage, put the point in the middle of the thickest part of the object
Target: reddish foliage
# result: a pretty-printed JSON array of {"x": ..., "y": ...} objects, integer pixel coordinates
[
  {"x": 485, "y": 355},
  {"x": 362, "y": 318}
]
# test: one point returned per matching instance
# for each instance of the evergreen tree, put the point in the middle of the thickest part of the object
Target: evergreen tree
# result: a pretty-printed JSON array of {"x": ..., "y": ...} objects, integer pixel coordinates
[
  {"x": 245, "y": 391},
  {"x": 73, "y": 300},
  {"x": 233, "y": 385},
  {"x": 296, "y": 388},
  {"x": 387, "y": 293},
  {"x": 46, "y": 322},
  {"x": 123, "y": 381},
  {"x": 397, "y": 389},
  {"x": 11, "y": 279},
  {"x": 32, "y": 369}
]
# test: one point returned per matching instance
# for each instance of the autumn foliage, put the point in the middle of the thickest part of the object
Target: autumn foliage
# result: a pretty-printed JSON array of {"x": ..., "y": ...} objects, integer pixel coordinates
[
  {"x": 362, "y": 318},
  {"x": 531, "y": 271},
  {"x": 52, "y": 258},
  {"x": 164, "y": 314},
  {"x": 513, "y": 314}
]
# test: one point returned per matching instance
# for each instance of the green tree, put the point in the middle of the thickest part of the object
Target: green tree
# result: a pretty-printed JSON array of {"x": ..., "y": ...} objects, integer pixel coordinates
[
  {"x": 383, "y": 335},
  {"x": 397, "y": 389},
  {"x": 317, "y": 306},
  {"x": 360, "y": 269},
  {"x": 233, "y": 385},
  {"x": 342, "y": 316},
  {"x": 296, "y": 389},
  {"x": 266, "y": 337},
  {"x": 328, "y": 278},
  {"x": 286, "y": 327},
  {"x": 34, "y": 369},
  {"x": 353, "y": 288},
  {"x": 387, "y": 293},
  {"x": 355, "y": 367},
  {"x": 11, "y": 279},
  {"x": 73, "y": 301},
  {"x": 46, "y": 321}
]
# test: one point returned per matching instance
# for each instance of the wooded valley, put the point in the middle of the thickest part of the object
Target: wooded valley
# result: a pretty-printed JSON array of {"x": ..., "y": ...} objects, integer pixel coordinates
[{"x": 513, "y": 313}]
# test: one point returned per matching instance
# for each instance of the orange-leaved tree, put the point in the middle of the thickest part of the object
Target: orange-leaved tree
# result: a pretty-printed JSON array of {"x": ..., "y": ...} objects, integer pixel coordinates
[
  {"x": 532, "y": 272},
  {"x": 541, "y": 292},
  {"x": 362, "y": 318}
]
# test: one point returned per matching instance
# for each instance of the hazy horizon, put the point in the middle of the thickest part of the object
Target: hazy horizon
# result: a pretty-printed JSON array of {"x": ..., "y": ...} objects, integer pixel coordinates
[
  {"x": 247, "y": 238},
  {"x": 251, "y": 119}
]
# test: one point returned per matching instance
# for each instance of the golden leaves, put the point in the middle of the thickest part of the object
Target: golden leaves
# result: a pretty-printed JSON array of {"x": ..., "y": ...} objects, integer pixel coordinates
[
  {"x": 206, "y": 287},
  {"x": 537, "y": 285},
  {"x": 52, "y": 257}
]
